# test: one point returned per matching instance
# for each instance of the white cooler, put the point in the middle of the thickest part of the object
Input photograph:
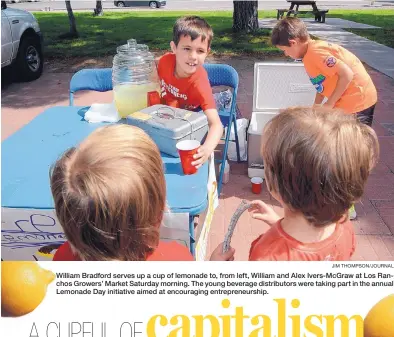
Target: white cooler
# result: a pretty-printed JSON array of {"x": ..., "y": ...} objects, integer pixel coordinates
[{"x": 276, "y": 86}]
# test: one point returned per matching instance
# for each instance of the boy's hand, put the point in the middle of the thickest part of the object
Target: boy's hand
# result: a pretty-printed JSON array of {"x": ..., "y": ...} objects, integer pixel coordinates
[
  {"x": 328, "y": 104},
  {"x": 261, "y": 211},
  {"x": 201, "y": 157},
  {"x": 217, "y": 254}
]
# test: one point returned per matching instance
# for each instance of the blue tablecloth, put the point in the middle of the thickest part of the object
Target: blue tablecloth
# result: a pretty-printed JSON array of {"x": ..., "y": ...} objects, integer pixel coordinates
[{"x": 28, "y": 154}]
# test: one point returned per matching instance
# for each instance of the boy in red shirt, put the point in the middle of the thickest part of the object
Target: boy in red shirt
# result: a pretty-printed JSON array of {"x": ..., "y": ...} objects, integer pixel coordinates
[
  {"x": 184, "y": 80},
  {"x": 317, "y": 162}
]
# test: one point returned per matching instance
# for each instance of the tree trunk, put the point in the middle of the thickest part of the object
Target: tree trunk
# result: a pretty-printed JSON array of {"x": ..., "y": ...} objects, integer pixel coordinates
[
  {"x": 99, "y": 9},
  {"x": 73, "y": 26},
  {"x": 245, "y": 16}
]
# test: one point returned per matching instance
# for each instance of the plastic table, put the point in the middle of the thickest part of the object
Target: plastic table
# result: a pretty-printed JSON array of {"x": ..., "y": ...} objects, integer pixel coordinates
[{"x": 28, "y": 154}]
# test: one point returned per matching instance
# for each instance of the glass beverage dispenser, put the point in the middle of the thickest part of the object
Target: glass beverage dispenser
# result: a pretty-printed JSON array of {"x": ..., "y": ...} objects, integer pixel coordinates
[{"x": 134, "y": 77}]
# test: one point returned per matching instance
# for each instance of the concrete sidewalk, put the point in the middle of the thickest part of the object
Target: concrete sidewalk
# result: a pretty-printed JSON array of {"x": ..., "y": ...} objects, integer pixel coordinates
[{"x": 372, "y": 53}]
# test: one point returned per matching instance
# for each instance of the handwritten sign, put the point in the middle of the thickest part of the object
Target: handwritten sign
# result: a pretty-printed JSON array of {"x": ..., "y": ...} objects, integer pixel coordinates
[
  {"x": 213, "y": 203},
  {"x": 26, "y": 231},
  {"x": 35, "y": 234}
]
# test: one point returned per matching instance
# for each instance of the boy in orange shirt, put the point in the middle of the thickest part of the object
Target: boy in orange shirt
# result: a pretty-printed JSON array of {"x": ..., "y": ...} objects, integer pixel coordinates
[
  {"x": 184, "y": 80},
  {"x": 317, "y": 162},
  {"x": 337, "y": 74}
]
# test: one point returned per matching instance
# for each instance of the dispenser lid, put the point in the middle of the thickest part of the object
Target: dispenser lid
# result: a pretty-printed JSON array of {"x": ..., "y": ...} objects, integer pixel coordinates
[{"x": 279, "y": 85}]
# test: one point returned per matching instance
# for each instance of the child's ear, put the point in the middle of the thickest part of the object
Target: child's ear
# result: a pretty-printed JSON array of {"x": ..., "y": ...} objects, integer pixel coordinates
[
  {"x": 173, "y": 46},
  {"x": 292, "y": 42}
]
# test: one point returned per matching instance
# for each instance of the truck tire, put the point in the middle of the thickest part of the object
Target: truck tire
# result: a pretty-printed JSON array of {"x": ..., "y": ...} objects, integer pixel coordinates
[{"x": 29, "y": 61}]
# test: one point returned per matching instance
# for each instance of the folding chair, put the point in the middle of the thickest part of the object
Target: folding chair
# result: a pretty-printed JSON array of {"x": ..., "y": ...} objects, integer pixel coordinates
[
  {"x": 91, "y": 79},
  {"x": 225, "y": 75}
]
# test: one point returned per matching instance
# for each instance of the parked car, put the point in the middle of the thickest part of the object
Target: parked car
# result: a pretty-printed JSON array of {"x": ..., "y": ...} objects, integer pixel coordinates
[
  {"x": 21, "y": 43},
  {"x": 18, "y": 1},
  {"x": 150, "y": 3}
]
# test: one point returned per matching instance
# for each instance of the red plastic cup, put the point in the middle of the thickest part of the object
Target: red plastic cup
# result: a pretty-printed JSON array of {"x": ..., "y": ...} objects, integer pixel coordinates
[
  {"x": 153, "y": 98},
  {"x": 257, "y": 184},
  {"x": 187, "y": 149}
]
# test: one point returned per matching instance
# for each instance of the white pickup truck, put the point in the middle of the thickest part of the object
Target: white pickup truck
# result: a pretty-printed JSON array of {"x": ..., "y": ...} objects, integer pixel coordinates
[{"x": 21, "y": 43}]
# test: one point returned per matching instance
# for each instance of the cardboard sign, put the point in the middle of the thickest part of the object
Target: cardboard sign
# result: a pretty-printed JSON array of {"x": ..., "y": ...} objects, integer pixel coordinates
[
  {"x": 35, "y": 234},
  {"x": 213, "y": 202}
]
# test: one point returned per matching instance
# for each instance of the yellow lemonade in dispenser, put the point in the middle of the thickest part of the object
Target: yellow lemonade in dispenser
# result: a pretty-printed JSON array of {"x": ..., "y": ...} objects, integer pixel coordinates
[
  {"x": 134, "y": 74},
  {"x": 130, "y": 98}
]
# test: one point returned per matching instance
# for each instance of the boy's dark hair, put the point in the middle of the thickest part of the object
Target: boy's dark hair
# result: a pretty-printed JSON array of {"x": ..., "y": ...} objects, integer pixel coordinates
[
  {"x": 289, "y": 29},
  {"x": 193, "y": 26},
  {"x": 318, "y": 160}
]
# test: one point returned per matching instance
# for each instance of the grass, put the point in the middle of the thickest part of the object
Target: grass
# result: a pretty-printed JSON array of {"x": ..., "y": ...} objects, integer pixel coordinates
[
  {"x": 383, "y": 18},
  {"x": 99, "y": 36}
]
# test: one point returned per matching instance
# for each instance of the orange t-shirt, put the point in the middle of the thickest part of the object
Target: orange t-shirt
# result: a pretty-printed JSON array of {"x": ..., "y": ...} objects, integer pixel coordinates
[
  {"x": 165, "y": 251},
  {"x": 277, "y": 245},
  {"x": 321, "y": 63},
  {"x": 186, "y": 93}
]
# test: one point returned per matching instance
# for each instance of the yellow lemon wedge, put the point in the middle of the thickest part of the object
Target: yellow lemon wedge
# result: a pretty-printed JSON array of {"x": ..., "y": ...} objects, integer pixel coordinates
[
  {"x": 379, "y": 321},
  {"x": 23, "y": 286}
]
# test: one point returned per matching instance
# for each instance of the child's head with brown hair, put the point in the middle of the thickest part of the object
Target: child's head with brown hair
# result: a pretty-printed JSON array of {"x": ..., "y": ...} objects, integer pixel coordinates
[
  {"x": 317, "y": 161},
  {"x": 191, "y": 42},
  {"x": 194, "y": 27},
  {"x": 110, "y": 194},
  {"x": 291, "y": 36}
]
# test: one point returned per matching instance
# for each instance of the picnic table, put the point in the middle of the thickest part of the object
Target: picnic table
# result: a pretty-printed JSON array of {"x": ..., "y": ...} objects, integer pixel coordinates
[{"x": 320, "y": 14}]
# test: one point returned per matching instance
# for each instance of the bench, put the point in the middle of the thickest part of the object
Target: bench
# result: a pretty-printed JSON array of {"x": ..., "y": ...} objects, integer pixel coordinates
[{"x": 320, "y": 15}]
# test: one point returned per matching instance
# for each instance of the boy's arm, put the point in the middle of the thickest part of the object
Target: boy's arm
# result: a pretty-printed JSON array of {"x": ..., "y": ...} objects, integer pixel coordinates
[
  {"x": 214, "y": 134},
  {"x": 203, "y": 90},
  {"x": 329, "y": 65},
  {"x": 318, "y": 99},
  {"x": 345, "y": 76}
]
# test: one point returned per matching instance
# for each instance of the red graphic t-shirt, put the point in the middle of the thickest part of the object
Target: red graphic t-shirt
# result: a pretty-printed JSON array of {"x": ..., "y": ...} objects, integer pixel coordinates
[{"x": 187, "y": 93}]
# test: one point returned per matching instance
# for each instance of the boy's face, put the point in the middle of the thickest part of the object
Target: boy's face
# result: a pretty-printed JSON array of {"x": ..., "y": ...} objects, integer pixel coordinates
[
  {"x": 295, "y": 50},
  {"x": 189, "y": 55}
]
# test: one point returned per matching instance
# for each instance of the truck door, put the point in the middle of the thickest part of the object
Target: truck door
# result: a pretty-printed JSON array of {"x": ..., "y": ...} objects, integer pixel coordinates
[{"x": 6, "y": 40}]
